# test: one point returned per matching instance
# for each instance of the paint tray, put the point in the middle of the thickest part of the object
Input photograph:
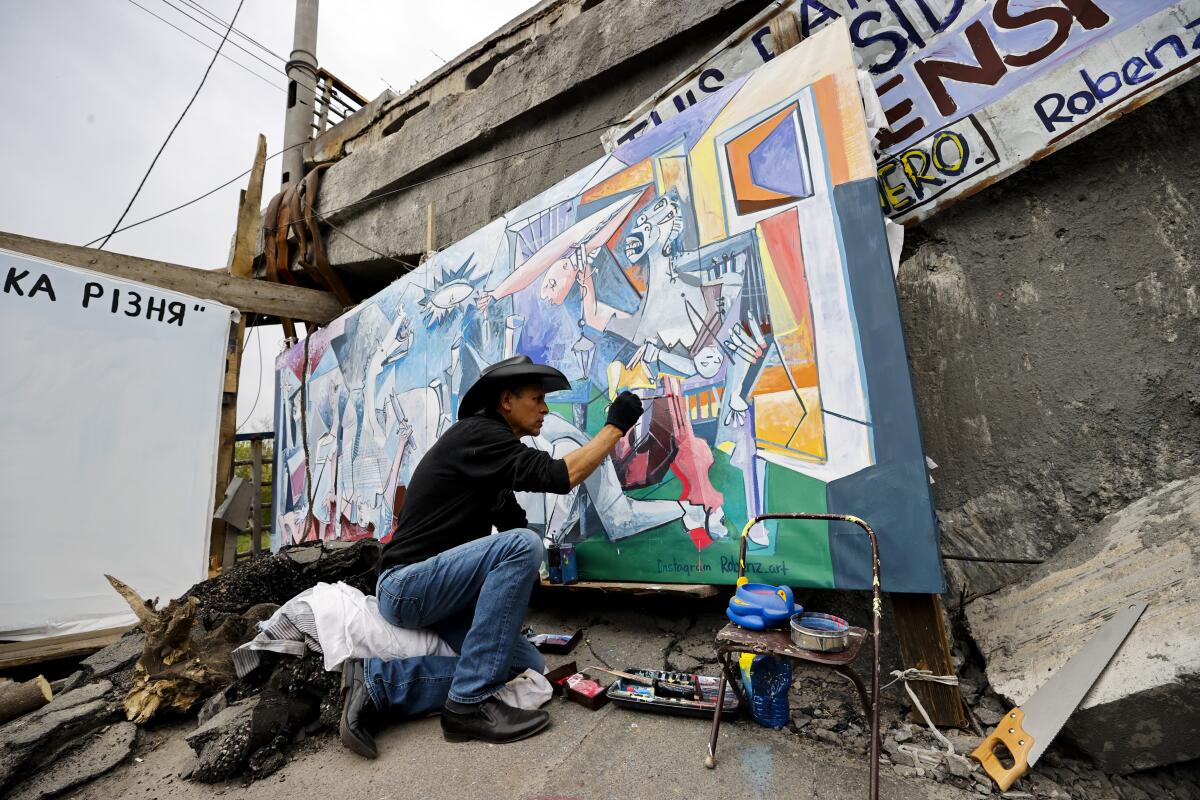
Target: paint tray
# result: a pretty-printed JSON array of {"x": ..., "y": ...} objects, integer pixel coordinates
[{"x": 642, "y": 698}]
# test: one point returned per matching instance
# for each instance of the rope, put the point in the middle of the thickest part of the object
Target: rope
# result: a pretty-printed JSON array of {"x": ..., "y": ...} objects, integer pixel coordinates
[{"x": 907, "y": 675}]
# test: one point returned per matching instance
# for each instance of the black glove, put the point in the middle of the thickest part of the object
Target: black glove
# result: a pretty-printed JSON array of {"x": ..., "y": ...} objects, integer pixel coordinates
[{"x": 624, "y": 411}]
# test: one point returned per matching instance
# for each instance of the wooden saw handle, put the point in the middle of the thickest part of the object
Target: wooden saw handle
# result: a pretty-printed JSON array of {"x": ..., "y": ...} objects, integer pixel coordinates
[{"x": 1012, "y": 735}]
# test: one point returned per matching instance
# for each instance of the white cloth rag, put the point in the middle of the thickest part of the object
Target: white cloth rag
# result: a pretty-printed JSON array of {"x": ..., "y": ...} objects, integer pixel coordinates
[{"x": 348, "y": 624}]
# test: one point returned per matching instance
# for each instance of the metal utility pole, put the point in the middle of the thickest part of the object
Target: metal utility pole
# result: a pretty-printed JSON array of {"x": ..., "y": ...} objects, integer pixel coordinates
[{"x": 302, "y": 81}]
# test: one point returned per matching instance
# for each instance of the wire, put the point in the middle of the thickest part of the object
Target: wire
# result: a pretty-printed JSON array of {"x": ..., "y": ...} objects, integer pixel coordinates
[
  {"x": 276, "y": 86},
  {"x": 171, "y": 133},
  {"x": 258, "y": 391},
  {"x": 405, "y": 188},
  {"x": 990, "y": 560},
  {"x": 364, "y": 246},
  {"x": 207, "y": 45},
  {"x": 204, "y": 25},
  {"x": 269, "y": 65},
  {"x": 209, "y": 193},
  {"x": 220, "y": 21},
  {"x": 321, "y": 215}
]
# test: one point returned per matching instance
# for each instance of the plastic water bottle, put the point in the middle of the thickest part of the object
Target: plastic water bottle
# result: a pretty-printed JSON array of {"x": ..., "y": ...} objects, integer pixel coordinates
[{"x": 770, "y": 679}]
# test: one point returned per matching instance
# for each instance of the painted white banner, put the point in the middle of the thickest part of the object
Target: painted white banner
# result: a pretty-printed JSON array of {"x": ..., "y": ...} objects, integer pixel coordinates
[
  {"x": 110, "y": 399},
  {"x": 972, "y": 89}
]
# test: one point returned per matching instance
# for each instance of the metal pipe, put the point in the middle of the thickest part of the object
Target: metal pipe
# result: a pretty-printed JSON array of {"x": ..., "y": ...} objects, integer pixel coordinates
[
  {"x": 302, "y": 80},
  {"x": 876, "y": 614}
]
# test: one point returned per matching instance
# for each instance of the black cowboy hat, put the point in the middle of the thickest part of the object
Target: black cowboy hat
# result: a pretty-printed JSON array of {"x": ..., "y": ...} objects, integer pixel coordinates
[{"x": 506, "y": 373}]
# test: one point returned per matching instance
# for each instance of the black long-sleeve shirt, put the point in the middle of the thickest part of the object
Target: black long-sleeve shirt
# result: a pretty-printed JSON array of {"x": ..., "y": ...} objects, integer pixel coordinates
[{"x": 464, "y": 485}]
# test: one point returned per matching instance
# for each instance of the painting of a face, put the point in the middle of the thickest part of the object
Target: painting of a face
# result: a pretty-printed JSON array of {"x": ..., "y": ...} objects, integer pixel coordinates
[
  {"x": 708, "y": 361},
  {"x": 656, "y": 224},
  {"x": 556, "y": 283}
]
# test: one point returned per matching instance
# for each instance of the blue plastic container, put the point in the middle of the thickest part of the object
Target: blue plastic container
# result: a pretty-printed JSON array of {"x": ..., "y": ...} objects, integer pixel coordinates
[{"x": 770, "y": 680}]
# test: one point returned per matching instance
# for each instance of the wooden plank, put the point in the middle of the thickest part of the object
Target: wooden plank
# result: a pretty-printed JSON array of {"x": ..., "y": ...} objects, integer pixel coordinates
[
  {"x": 785, "y": 32},
  {"x": 244, "y": 294},
  {"x": 689, "y": 589},
  {"x": 220, "y": 552},
  {"x": 18, "y": 654},
  {"x": 924, "y": 644},
  {"x": 249, "y": 218},
  {"x": 222, "y": 549}
]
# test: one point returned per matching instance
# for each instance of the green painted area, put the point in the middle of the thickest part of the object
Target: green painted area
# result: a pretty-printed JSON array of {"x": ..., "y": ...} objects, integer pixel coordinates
[{"x": 667, "y": 554}]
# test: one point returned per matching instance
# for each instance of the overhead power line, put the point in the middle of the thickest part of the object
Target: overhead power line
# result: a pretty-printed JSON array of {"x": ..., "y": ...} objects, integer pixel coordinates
[
  {"x": 174, "y": 127},
  {"x": 269, "y": 65},
  {"x": 220, "y": 21},
  {"x": 197, "y": 199},
  {"x": 205, "y": 44},
  {"x": 321, "y": 214},
  {"x": 217, "y": 31}
]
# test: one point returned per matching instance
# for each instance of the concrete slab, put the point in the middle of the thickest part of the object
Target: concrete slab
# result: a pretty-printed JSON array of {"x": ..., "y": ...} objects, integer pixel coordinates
[
  {"x": 610, "y": 753},
  {"x": 116, "y": 656},
  {"x": 97, "y": 755},
  {"x": 1144, "y": 710}
]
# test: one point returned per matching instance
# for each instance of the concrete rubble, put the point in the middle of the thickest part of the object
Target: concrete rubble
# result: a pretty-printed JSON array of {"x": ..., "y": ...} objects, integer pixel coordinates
[
  {"x": 284, "y": 715},
  {"x": 257, "y": 726},
  {"x": 1144, "y": 711},
  {"x": 46, "y": 737},
  {"x": 87, "y": 758}
]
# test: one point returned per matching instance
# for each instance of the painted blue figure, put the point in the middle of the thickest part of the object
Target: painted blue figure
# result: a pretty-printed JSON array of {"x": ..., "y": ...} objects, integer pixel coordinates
[{"x": 443, "y": 571}]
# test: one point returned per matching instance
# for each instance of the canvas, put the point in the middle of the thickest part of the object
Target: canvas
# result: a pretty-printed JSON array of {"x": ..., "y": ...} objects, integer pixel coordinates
[{"x": 731, "y": 268}]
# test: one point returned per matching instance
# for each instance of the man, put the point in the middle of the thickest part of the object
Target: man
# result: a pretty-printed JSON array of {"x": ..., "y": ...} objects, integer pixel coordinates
[{"x": 443, "y": 571}]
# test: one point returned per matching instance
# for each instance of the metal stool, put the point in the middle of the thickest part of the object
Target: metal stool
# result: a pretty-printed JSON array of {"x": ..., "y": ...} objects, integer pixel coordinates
[{"x": 734, "y": 639}]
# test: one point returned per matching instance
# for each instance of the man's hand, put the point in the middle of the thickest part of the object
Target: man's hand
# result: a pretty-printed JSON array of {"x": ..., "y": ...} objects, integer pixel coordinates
[{"x": 624, "y": 411}]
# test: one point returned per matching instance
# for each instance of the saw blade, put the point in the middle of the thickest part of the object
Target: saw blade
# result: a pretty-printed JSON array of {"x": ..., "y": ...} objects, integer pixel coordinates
[{"x": 1047, "y": 711}]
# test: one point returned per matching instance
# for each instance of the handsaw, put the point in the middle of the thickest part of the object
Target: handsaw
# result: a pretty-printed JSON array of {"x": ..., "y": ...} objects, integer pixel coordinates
[{"x": 1028, "y": 729}]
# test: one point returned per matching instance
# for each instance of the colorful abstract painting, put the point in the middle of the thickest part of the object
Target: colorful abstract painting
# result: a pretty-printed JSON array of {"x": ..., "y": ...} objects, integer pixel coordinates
[{"x": 731, "y": 268}]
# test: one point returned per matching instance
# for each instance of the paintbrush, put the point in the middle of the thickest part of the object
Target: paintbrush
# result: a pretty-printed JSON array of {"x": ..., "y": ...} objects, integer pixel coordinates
[
  {"x": 629, "y": 676},
  {"x": 661, "y": 688}
]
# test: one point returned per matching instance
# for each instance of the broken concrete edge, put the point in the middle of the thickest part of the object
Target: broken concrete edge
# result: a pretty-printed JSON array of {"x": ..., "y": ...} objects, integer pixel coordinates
[
  {"x": 457, "y": 123},
  {"x": 455, "y": 76},
  {"x": 1144, "y": 710},
  {"x": 88, "y": 758}
]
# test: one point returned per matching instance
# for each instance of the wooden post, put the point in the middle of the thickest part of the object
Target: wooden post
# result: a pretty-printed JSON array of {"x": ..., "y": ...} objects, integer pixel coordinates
[
  {"x": 256, "y": 451},
  {"x": 924, "y": 644},
  {"x": 222, "y": 549},
  {"x": 326, "y": 92},
  {"x": 785, "y": 32}
]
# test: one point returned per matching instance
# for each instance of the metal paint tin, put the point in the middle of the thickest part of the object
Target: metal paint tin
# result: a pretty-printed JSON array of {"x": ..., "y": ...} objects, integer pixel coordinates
[{"x": 822, "y": 632}]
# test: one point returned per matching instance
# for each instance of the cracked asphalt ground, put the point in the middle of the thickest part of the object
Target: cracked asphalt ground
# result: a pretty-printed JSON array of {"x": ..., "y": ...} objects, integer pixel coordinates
[{"x": 611, "y": 753}]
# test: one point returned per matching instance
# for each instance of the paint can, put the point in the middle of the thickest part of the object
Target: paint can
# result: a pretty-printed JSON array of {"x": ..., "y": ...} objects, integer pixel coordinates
[{"x": 561, "y": 565}]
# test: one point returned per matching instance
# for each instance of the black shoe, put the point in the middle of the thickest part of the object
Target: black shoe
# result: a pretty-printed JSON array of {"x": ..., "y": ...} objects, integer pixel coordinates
[
  {"x": 358, "y": 711},
  {"x": 492, "y": 721}
]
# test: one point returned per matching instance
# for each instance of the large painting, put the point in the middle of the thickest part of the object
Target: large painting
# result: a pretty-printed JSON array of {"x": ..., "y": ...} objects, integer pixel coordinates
[{"x": 731, "y": 268}]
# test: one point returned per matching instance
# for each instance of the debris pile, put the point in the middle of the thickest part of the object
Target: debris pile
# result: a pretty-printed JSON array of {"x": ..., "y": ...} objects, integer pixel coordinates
[
  {"x": 1144, "y": 711},
  {"x": 826, "y": 710},
  {"x": 177, "y": 661}
]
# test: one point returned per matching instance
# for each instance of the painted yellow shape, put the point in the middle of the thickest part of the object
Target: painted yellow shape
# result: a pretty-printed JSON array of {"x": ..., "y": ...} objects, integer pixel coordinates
[
  {"x": 726, "y": 447},
  {"x": 775, "y": 418},
  {"x": 672, "y": 174},
  {"x": 622, "y": 378}
]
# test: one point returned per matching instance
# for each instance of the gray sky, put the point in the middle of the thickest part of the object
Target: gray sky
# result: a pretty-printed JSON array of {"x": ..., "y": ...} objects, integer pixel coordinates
[{"x": 93, "y": 87}]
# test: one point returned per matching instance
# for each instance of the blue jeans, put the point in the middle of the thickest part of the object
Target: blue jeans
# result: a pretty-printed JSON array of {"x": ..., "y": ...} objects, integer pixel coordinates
[{"x": 473, "y": 596}]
